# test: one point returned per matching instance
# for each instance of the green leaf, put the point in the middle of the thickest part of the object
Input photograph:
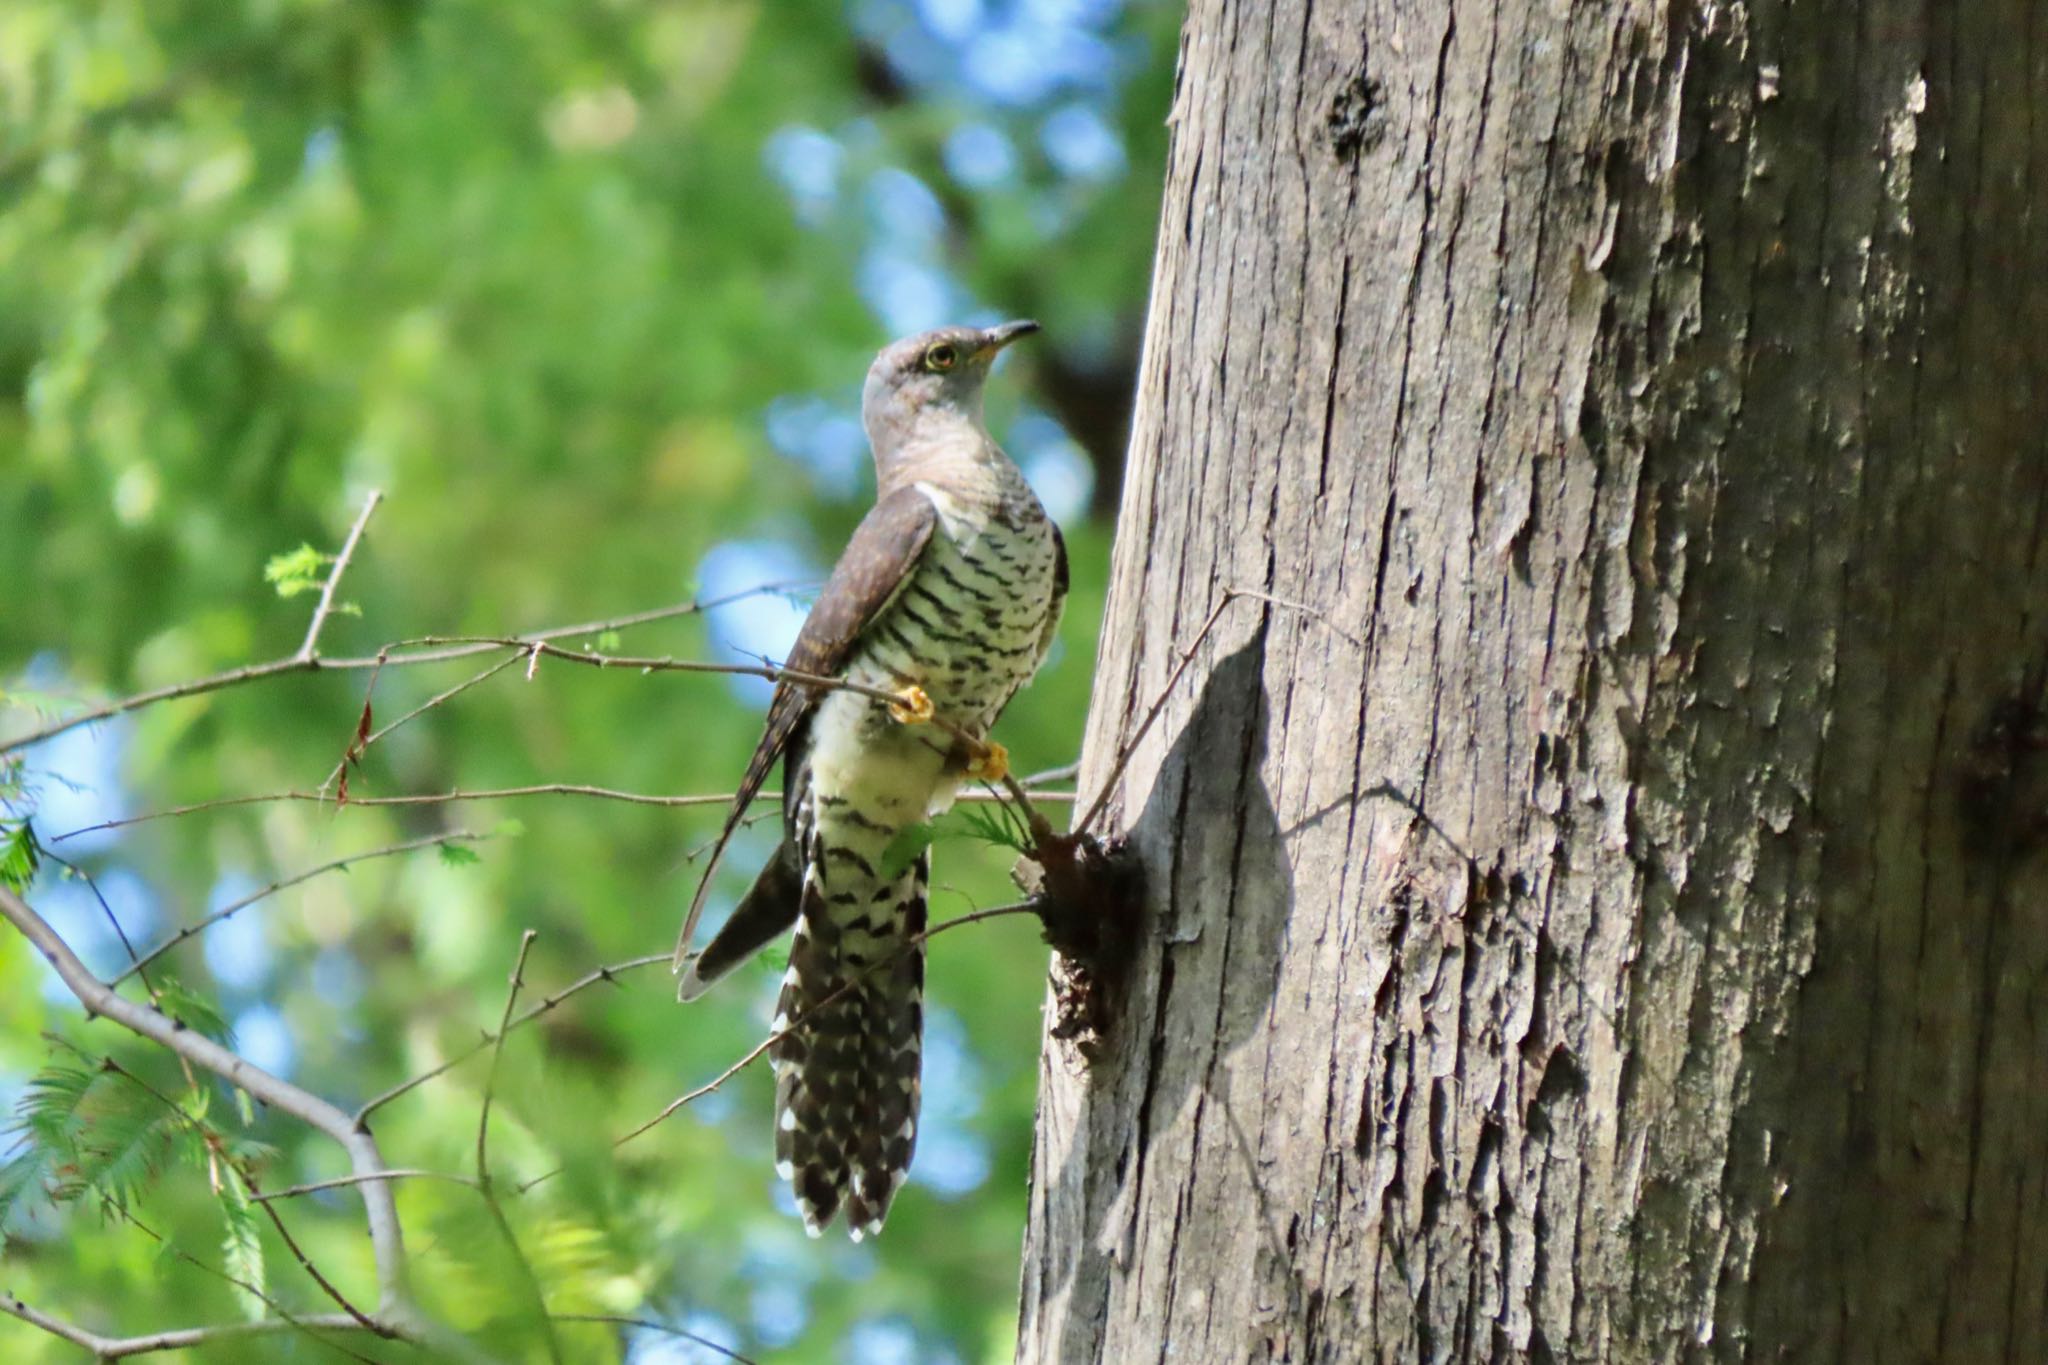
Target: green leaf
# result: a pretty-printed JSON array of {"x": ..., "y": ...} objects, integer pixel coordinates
[
  {"x": 193, "y": 1010},
  {"x": 296, "y": 571},
  {"x": 17, "y": 858},
  {"x": 608, "y": 642},
  {"x": 996, "y": 824},
  {"x": 456, "y": 855},
  {"x": 903, "y": 850},
  {"x": 242, "y": 1247}
]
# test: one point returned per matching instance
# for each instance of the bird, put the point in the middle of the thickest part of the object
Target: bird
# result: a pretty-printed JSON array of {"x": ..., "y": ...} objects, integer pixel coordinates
[{"x": 943, "y": 605}]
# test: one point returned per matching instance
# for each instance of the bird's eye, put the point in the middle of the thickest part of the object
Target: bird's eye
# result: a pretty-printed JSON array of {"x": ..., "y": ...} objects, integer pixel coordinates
[{"x": 941, "y": 358}]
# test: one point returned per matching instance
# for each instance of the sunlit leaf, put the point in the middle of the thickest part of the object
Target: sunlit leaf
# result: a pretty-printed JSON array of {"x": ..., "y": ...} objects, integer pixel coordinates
[{"x": 296, "y": 571}]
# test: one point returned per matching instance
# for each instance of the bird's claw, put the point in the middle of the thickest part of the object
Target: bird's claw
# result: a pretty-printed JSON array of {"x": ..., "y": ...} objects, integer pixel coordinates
[
  {"x": 989, "y": 763},
  {"x": 913, "y": 705}
]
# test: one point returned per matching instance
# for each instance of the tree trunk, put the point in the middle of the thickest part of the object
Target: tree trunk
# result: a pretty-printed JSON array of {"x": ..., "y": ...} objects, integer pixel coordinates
[{"x": 1611, "y": 922}]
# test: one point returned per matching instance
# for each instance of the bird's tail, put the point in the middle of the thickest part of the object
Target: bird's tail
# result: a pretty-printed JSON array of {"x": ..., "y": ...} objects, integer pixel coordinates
[{"x": 847, "y": 1073}]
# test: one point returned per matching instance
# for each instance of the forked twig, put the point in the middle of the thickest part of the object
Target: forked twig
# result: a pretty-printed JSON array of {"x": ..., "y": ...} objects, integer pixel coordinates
[
  {"x": 294, "y": 663},
  {"x": 325, "y": 607}
]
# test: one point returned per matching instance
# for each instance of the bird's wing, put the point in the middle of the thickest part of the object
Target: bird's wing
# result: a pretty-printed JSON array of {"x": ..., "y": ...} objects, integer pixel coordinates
[
  {"x": 1058, "y": 605},
  {"x": 874, "y": 568}
]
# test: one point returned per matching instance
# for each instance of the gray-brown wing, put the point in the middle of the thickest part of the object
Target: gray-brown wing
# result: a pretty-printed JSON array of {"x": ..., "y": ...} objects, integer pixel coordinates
[
  {"x": 1058, "y": 606},
  {"x": 877, "y": 562}
]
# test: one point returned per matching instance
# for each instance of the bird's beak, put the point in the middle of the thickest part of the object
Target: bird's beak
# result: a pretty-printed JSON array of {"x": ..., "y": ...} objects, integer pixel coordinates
[{"x": 1001, "y": 335}]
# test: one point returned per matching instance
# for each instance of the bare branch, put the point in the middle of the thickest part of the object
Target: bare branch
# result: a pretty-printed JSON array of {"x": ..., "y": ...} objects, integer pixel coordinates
[
  {"x": 341, "y": 1181},
  {"x": 325, "y": 608},
  {"x": 436, "y": 649},
  {"x": 412, "y": 845},
  {"x": 175, "y": 1339},
  {"x": 56, "y": 1327},
  {"x": 480, "y": 794},
  {"x": 420, "y": 799},
  {"x": 386, "y": 1241},
  {"x": 192, "y": 687},
  {"x": 293, "y": 663}
]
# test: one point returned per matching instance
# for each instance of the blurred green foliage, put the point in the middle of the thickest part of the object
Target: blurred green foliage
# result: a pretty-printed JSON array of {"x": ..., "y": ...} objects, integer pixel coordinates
[{"x": 544, "y": 274}]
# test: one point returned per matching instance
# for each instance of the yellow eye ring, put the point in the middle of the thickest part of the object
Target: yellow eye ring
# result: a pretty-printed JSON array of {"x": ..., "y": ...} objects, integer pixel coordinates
[{"x": 941, "y": 358}]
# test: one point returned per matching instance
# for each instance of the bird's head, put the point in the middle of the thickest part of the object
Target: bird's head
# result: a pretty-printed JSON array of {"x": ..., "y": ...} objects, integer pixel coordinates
[{"x": 932, "y": 379}]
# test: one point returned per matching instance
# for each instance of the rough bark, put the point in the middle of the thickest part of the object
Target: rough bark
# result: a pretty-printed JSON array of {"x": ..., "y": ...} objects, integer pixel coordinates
[{"x": 1613, "y": 925}]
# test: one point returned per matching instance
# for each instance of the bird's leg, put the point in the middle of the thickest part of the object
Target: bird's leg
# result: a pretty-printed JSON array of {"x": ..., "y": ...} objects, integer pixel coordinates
[
  {"x": 988, "y": 761},
  {"x": 913, "y": 705}
]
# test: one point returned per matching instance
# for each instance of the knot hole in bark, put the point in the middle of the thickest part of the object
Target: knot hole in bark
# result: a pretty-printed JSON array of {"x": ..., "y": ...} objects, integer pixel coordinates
[
  {"x": 1090, "y": 900},
  {"x": 1357, "y": 119},
  {"x": 2004, "y": 783}
]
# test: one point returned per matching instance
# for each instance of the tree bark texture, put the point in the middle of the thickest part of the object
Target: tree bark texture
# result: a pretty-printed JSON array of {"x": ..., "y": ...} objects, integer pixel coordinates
[{"x": 1611, "y": 922}]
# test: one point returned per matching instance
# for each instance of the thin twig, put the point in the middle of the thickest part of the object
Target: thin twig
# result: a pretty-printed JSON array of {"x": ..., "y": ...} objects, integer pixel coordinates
[
  {"x": 342, "y": 1181},
  {"x": 534, "y": 649},
  {"x": 803, "y": 1020},
  {"x": 135, "y": 964},
  {"x": 420, "y": 799},
  {"x": 292, "y": 663},
  {"x": 387, "y": 1242},
  {"x": 294, "y": 1321},
  {"x": 178, "y": 1338},
  {"x": 1045, "y": 777},
  {"x": 357, "y": 751},
  {"x": 218, "y": 1153},
  {"x": 483, "y": 1123},
  {"x": 1130, "y": 746},
  {"x": 411, "y": 845},
  {"x": 609, "y": 973},
  {"x": 483, "y": 1165},
  {"x": 325, "y": 607},
  {"x": 436, "y": 649},
  {"x": 650, "y": 1325},
  {"x": 480, "y": 794}
]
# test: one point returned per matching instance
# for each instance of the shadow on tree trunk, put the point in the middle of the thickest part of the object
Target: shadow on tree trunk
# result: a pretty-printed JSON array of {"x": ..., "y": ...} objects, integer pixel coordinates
[{"x": 1207, "y": 837}]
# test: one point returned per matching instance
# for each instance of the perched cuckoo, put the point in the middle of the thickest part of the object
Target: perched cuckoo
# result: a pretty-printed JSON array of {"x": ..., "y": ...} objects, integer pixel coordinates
[{"x": 946, "y": 599}]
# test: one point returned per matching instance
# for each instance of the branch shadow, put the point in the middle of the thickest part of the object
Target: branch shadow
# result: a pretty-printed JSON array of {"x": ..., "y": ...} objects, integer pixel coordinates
[{"x": 1218, "y": 894}]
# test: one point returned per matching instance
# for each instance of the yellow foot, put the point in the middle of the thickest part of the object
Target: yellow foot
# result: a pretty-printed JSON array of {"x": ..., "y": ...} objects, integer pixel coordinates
[
  {"x": 913, "y": 706},
  {"x": 990, "y": 763}
]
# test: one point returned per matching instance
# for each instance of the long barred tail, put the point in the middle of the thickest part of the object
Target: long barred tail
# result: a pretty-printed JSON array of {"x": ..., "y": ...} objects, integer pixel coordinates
[{"x": 847, "y": 1077}]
